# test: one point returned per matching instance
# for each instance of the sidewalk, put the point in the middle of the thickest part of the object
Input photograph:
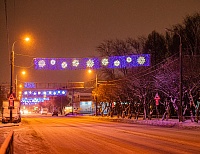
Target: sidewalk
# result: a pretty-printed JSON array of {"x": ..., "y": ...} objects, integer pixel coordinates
[
  {"x": 155, "y": 122},
  {"x": 8, "y": 124}
]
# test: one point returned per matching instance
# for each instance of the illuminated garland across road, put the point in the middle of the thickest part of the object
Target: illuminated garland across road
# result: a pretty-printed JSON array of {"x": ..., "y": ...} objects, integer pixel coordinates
[
  {"x": 92, "y": 63},
  {"x": 36, "y": 96}
]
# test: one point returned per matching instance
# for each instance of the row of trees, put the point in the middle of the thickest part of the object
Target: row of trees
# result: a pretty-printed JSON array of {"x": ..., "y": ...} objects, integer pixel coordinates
[{"x": 139, "y": 85}]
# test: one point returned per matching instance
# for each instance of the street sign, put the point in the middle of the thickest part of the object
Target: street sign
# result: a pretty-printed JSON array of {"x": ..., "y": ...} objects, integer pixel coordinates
[
  {"x": 11, "y": 100},
  {"x": 157, "y": 98},
  {"x": 11, "y": 97}
]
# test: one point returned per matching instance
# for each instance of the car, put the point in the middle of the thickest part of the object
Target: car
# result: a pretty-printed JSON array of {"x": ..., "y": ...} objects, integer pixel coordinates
[
  {"x": 55, "y": 113},
  {"x": 44, "y": 111}
]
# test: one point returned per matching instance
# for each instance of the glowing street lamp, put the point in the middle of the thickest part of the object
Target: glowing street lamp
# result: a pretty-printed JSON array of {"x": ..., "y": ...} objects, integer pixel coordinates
[
  {"x": 12, "y": 63},
  {"x": 96, "y": 86},
  {"x": 16, "y": 83}
]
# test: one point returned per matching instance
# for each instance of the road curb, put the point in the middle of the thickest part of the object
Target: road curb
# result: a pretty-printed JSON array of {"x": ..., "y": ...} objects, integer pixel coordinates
[
  {"x": 8, "y": 125},
  {"x": 160, "y": 123}
]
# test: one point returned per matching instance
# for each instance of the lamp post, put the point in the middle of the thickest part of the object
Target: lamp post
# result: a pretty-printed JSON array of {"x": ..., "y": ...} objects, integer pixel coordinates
[
  {"x": 181, "y": 72},
  {"x": 96, "y": 86},
  {"x": 12, "y": 64},
  {"x": 12, "y": 67},
  {"x": 12, "y": 57},
  {"x": 16, "y": 83}
]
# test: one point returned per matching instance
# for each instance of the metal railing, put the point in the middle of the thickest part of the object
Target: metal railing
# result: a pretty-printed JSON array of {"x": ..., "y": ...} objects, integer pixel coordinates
[{"x": 7, "y": 146}]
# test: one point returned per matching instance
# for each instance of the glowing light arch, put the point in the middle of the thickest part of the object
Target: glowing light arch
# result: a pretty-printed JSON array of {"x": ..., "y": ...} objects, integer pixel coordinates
[{"x": 93, "y": 63}]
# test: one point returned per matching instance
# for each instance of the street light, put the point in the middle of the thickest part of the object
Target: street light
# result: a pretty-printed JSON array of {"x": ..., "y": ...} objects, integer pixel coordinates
[
  {"x": 12, "y": 63},
  {"x": 180, "y": 69},
  {"x": 11, "y": 102},
  {"x": 96, "y": 86},
  {"x": 16, "y": 83}
]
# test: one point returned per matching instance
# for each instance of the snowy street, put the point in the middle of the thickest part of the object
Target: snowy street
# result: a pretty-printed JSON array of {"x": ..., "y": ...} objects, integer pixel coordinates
[{"x": 59, "y": 135}]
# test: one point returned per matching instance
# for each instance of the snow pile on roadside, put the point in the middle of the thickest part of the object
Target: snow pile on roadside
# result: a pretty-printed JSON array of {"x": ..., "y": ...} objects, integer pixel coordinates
[{"x": 155, "y": 122}]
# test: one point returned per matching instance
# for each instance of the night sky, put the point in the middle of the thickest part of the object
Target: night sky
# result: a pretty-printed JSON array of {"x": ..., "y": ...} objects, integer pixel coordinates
[{"x": 74, "y": 28}]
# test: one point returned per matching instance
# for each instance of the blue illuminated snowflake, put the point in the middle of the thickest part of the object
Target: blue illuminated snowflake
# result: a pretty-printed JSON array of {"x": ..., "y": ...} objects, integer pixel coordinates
[
  {"x": 41, "y": 63},
  {"x": 116, "y": 62},
  {"x": 128, "y": 59},
  {"x": 90, "y": 63},
  {"x": 75, "y": 63},
  {"x": 53, "y": 62},
  {"x": 64, "y": 64},
  {"x": 104, "y": 61},
  {"x": 141, "y": 60}
]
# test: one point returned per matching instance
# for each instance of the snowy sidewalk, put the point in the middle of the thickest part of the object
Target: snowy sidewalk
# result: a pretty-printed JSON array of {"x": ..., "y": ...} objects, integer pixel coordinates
[
  {"x": 155, "y": 122},
  {"x": 8, "y": 124}
]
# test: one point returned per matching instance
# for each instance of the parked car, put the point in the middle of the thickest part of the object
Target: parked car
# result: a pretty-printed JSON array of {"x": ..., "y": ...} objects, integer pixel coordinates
[
  {"x": 44, "y": 111},
  {"x": 55, "y": 113}
]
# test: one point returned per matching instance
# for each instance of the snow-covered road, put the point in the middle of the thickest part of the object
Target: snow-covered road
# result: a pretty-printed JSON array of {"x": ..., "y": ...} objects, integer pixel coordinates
[{"x": 62, "y": 135}]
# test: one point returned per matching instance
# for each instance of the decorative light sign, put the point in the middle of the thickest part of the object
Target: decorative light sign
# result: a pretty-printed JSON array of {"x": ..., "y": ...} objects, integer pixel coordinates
[
  {"x": 29, "y": 85},
  {"x": 34, "y": 99},
  {"x": 45, "y": 93},
  {"x": 92, "y": 63}
]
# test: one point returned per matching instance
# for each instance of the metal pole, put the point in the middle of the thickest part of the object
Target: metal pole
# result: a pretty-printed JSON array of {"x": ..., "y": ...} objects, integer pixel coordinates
[
  {"x": 12, "y": 68},
  {"x": 96, "y": 82},
  {"x": 181, "y": 78},
  {"x": 16, "y": 91},
  {"x": 11, "y": 71},
  {"x": 11, "y": 76},
  {"x": 72, "y": 101}
]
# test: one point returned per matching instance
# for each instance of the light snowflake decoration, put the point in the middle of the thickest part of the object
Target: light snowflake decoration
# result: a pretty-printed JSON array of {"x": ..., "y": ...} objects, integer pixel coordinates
[
  {"x": 53, "y": 62},
  {"x": 41, "y": 63},
  {"x": 104, "y": 61},
  {"x": 116, "y": 62},
  {"x": 128, "y": 59},
  {"x": 94, "y": 63},
  {"x": 64, "y": 64},
  {"x": 90, "y": 63},
  {"x": 141, "y": 60},
  {"x": 75, "y": 63}
]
